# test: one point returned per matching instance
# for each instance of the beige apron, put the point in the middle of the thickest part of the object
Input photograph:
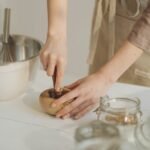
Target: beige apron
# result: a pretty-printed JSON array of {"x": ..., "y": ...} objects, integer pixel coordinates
[{"x": 112, "y": 22}]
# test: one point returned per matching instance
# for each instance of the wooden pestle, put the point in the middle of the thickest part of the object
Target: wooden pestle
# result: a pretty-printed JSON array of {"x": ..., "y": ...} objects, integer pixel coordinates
[{"x": 55, "y": 94}]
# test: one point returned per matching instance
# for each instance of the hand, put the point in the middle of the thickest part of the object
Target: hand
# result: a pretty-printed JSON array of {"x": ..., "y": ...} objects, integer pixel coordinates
[
  {"x": 86, "y": 94},
  {"x": 54, "y": 56}
]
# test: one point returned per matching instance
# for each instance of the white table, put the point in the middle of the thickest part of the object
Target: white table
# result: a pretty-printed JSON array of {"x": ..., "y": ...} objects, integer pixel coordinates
[{"x": 24, "y": 126}]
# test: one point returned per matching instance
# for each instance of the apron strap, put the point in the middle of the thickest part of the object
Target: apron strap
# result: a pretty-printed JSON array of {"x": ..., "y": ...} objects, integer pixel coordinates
[
  {"x": 112, "y": 28},
  {"x": 110, "y": 8},
  {"x": 97, "y": 21}
]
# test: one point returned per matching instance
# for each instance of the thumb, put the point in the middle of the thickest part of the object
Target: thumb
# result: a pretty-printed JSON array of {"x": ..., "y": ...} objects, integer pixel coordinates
[{"x": 73, "y": 85}]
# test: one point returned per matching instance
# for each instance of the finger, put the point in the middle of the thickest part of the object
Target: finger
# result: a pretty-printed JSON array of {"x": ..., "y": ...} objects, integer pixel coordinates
[
  {"x": 70, "y": 107},
  {"x": 84, "y": 112},
  {"x": 44, "y": 59},
  {"x": 59, "y": 76},
  {"x": 75, "y": 111},
  {"x": 80, "y": 108},
  {"x": 69, "y": 96},
  {"x": 51, "y": 65},
  {"x": 73, "y": 85}
]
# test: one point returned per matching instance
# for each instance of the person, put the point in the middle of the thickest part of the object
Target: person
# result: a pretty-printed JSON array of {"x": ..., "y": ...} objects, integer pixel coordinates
[{"x": 119, "y": 51}]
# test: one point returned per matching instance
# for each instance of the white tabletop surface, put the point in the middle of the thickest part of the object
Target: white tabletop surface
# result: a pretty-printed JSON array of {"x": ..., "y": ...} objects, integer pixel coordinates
[{"x": 24, "y": 126}]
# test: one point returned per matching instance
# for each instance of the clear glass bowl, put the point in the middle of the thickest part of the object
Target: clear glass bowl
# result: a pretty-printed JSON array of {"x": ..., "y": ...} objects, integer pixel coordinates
[{"x": 142, "y": 135}]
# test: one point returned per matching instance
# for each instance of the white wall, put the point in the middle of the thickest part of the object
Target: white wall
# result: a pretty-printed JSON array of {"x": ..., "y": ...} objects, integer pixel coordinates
[
  {"x": 29, "y": 17},
  {"x": 80, "y": 16}
]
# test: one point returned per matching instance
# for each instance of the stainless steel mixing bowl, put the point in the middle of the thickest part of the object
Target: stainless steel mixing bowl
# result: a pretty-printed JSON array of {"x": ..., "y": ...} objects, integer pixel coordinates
[{"x": 14, "y": 77}]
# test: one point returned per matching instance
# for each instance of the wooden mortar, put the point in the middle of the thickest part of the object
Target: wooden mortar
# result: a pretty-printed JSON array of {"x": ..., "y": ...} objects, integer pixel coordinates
[{"x": 48, "y": 96}]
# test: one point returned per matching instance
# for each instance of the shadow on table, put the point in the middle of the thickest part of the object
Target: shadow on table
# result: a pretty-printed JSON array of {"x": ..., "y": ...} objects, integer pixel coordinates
[{"x": 31, "y": 99}]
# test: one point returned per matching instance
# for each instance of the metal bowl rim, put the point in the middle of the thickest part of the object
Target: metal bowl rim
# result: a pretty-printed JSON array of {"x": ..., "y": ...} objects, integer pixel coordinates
[{"x": 40, "y": 42}]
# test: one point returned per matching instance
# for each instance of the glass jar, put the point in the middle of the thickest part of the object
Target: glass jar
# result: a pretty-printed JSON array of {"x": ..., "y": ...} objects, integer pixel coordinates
[
  {"x": 97, "y": 135},
  {"x": 124, "y": 113},
  {"x": 142, "y": 135}
]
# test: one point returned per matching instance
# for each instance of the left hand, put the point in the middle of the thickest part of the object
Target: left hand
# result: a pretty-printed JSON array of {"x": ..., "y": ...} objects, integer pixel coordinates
[{"x": 86, "y": 93}]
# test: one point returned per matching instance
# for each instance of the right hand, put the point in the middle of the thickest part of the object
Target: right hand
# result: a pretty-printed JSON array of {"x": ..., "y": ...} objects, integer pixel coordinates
[{"x": 54, "y": 56}]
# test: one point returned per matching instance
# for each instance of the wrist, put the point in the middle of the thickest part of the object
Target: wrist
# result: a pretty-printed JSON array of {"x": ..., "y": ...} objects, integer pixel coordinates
[
  {"x": 107, "y": 76},
  {"x": 57, "y": 34},
  {"x": 57, "y": 28}
]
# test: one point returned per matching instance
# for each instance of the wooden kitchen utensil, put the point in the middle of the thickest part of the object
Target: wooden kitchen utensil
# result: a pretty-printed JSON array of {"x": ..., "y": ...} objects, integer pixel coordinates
[{"x": 56, "y": 93}]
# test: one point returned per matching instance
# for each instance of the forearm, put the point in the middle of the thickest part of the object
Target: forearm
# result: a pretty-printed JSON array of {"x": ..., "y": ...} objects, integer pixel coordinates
[
  {"x": 120, "y": 62},
  {"x": 57, "y": 17}
]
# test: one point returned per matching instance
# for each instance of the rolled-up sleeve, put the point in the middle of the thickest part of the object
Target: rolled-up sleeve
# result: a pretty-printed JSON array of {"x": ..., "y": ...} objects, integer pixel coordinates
[{"x": 140, "y": 34}]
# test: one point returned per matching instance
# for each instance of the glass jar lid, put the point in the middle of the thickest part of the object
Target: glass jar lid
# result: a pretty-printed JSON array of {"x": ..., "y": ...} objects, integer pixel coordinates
[
  {"x": 96, "y": 129},
  {"x": 115, "y": 105},
  {"x": 97, "y": 135}
]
